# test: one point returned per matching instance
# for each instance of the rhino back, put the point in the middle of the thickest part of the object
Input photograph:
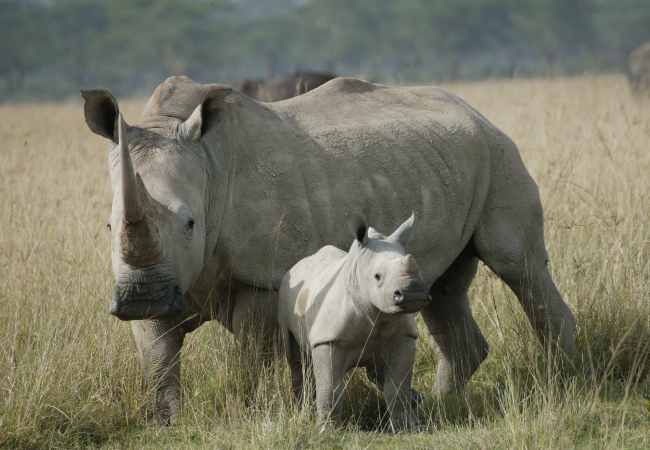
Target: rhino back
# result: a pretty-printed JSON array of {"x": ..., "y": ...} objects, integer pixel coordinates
[{"x": 350, "y": 145}]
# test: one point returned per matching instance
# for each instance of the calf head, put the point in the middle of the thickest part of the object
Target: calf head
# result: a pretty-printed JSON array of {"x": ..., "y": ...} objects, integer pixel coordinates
[
  {"x": 385, "y": 276},
  {"x": 158, "y": 228}
]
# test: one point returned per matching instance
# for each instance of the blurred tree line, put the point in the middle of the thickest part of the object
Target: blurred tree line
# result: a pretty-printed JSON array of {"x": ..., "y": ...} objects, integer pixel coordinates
[{"x": 48, "y": 48}]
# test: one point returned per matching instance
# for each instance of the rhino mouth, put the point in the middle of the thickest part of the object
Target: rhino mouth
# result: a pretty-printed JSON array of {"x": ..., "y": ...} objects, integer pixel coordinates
[
  {"x": 410, "y": 302},
  {"x": 411, "y": 298},
  {"x": 147, "y": 301}
]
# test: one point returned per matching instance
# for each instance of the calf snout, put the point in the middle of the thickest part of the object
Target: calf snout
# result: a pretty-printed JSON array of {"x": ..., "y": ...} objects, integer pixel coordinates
[{"x": 412, "y": 296}]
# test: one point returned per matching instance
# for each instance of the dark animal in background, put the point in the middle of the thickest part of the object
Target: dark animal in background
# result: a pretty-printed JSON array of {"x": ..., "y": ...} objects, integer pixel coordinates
[
  {"x": 639, "y": 68},
  {"x": 273, "y": 90}
]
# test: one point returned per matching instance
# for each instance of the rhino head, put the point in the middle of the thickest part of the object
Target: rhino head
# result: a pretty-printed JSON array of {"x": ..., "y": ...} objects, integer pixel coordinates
[
  {"x": 158, "y": 228},
  {"x": 384, "y": 275}
]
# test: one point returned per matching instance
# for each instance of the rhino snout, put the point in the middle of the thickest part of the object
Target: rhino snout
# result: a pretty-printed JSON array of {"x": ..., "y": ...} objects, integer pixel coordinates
[
  {"x": 401, "y": 296},
  {"x": 412, "y": 298},
  {"x": 147, "y": 301}
]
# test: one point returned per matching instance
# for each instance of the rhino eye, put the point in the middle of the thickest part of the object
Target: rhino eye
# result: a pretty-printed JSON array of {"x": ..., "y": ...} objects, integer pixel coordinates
[
  {"x": 190, "y": 224},
  {"x": 108, "y": 225},
  {"x": 377, "y": 277}
]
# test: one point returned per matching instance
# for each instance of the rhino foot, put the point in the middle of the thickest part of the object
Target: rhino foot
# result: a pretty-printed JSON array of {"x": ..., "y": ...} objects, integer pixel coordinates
[{"x": 417, "y": 398}]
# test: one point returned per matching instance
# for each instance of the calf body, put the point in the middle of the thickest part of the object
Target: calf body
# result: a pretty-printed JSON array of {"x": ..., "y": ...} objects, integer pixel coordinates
[{"x": 345, "y": 310}]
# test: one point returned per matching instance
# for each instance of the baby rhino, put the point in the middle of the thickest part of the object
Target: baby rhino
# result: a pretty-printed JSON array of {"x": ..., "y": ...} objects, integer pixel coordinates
[{"x": 343, "y": 310}]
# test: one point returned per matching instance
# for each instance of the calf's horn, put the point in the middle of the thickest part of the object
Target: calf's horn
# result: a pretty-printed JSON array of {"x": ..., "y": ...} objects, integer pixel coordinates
[
  {"x": 131, "y": 203},
  {"x": 409, "y": 266}
]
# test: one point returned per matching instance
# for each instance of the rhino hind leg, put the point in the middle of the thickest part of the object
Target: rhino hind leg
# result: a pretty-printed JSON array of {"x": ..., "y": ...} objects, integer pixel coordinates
[
  {"x": 302, "y": 372},
  {"x": 458, "y": 343},
  {"x": 376, "y": 375},
  {"x": 159, "y": 345},
  {"x": 510, "y": 241}
]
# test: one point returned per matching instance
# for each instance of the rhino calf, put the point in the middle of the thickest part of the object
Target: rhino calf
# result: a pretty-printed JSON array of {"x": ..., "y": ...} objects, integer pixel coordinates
[{"x": 345, "y": 310}]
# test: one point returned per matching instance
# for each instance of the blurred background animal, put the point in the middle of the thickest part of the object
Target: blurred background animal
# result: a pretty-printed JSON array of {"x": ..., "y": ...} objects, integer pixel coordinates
[{"x": 273, "y": 90}]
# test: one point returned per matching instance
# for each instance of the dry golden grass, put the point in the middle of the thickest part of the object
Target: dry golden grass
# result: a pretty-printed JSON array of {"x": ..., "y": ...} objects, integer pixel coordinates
[{"x": 69, "y": 375}]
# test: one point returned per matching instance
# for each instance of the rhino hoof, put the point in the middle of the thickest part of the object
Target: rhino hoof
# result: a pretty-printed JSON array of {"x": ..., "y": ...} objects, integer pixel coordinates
[{"x": 416, "y": 398}]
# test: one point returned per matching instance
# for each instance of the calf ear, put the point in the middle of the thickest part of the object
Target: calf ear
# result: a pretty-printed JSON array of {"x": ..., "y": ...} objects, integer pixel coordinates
[
  {"x": 210, "y": 111},
  {"x": 101, "y": 112},
  {"x": 358, "y": 223},
  {"x": 406, "y": 232}
]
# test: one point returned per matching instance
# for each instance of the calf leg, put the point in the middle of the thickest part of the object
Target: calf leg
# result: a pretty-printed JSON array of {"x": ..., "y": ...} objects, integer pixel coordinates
[
  {"x": 159, "y": 345},
  {"x": 376, "y": 375},
  {"x": 302, "y": 379},
  {"x": 293, "y": 354},
  {"x": 457, "y": 341},
  {"x": 329, "y": 370},
  {"x": 398, "y": 373}
]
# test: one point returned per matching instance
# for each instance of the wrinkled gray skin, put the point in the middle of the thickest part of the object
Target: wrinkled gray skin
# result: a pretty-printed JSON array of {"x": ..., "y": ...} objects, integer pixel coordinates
[
  {"x": 273, "y": 90},
  {"x": 231, "y": 193},
  {"x": 639, "y": 68},
  {"x": 344, "y": 310}
]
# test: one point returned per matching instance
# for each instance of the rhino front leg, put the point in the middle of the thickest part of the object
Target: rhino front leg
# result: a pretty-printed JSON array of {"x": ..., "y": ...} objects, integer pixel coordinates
[
  {"x": 255, "y": 316},
  {"x": 457, "y": 341},
  {"x": 329, "y": 370},
  {"x": 159, "y": 345},
  {"x": 398, "y": 372}
]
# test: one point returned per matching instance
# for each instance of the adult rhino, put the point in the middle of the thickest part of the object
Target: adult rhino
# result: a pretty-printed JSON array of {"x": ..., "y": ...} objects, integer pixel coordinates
[
  {"x": 216, "y": 196},
  {"x": 638, "y": 72}
]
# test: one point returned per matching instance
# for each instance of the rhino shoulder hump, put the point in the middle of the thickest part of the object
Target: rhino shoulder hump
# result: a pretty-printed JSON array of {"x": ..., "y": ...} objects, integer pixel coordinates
[{"x": 349, "y": 85}]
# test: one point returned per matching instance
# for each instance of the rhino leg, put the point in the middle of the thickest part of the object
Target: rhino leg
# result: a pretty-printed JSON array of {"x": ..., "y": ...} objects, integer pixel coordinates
[
  {"x": 329, "y": 370},
  {"x": 159, "y": 345},
  {"x": 457, "y": 341},
  {"x": 376, "y": 375},
  {"x": 398, "y": 372},
  {"x": 255, "y": 316},
  {"x": 510, "y": 240},
  {"x": 302, "y": 379}
]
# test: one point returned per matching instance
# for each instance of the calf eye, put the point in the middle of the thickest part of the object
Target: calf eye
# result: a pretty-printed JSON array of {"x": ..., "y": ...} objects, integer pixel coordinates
[
  {"x": 377, "y": 277},
  {"x": 190, "y": 224},
  {"x": 108, "y": 225}
]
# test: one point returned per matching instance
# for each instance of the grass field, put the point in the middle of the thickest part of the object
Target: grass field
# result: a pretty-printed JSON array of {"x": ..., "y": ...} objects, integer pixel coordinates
[{"x": 69, "y": 373}]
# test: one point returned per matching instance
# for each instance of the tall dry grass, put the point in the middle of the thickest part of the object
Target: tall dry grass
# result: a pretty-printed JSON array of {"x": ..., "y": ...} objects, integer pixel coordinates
[{"x": 70, "y": 378}]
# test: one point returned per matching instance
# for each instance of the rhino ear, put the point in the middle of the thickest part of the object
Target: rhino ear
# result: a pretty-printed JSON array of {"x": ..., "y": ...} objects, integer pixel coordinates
[
  {"x": 101, "y": 112},
  {"x": 210, "y": 111},
  {"x": 358, "y": 223},
  {"x": 406, "y": 232}
]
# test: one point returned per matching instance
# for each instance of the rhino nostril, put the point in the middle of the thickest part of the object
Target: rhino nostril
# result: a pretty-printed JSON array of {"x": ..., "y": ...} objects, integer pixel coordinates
[{"x": 398, "y": 296}]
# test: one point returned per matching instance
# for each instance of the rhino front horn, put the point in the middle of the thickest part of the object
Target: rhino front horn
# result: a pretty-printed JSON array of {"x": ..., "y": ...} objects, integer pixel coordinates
[
  {"x": 131, "y": 203},
  {"x": 139, "y": 238},
  {"x": 409, "y": 266}
]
